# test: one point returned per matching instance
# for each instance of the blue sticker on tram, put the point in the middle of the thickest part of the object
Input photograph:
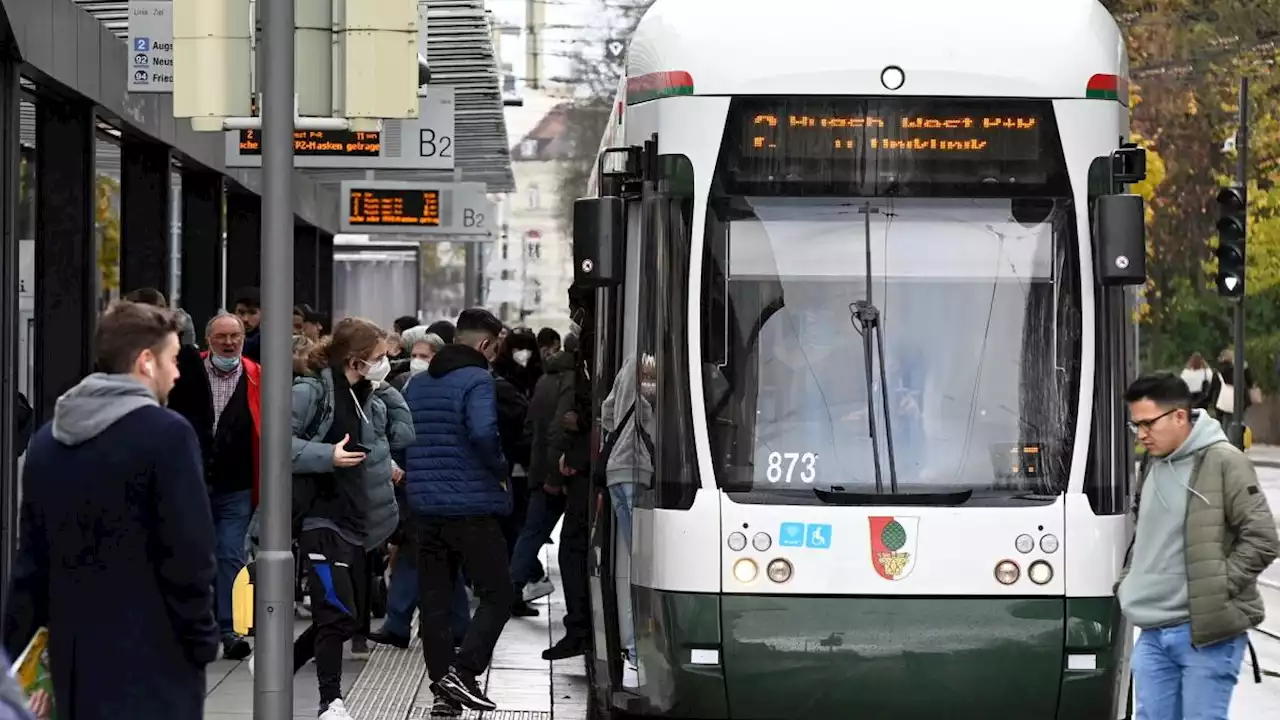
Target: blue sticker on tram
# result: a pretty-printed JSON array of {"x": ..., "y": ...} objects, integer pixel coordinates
[{"x": 791, "y": 535}]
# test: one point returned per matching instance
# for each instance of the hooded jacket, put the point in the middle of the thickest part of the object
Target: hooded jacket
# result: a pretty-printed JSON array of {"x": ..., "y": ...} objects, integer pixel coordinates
[
  {"x": 115, "y": 509},
  {"x": 544, "y": 426},
  {"x": 631, "y": 450},
  {"x": 1204, "y": 535},
  {"x": 456, "y": 467},
  {"x": 389, "y": 428}
]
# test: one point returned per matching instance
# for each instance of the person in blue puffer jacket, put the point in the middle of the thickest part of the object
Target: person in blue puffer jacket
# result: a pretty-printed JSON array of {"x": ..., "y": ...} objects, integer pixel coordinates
[{"x": 457, "y": 485}]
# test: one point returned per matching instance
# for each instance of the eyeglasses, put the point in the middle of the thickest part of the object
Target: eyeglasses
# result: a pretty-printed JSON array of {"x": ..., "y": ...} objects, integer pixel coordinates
[
  {"x": 1139, "y": 425},
  {"x": 234, "y": 338}
]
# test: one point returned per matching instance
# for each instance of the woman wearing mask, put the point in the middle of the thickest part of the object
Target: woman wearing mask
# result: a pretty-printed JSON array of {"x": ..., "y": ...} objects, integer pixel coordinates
[
  {"x": 346, "y": 421},
  {"x": 521, "y": 362},
  {"x": 420, "y": 345}
]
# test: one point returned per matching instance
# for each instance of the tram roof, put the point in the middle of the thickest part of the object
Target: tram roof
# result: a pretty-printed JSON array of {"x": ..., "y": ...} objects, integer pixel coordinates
[{"x": 991, "y": 48}]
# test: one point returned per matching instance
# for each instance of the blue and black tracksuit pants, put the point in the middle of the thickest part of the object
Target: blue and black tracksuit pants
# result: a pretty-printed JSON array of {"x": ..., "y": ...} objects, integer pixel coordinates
[{"x": 337, "y": 580}]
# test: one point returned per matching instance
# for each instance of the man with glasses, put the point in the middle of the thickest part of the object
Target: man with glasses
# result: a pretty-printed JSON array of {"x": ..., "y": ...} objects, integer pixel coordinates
[
  {"x": 1204, "y": 534},
  {"x": 221, "y": 399}
]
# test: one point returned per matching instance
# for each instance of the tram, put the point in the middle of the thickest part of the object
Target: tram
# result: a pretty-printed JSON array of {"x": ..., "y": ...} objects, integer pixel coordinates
[{"x": 872, "y": 266}]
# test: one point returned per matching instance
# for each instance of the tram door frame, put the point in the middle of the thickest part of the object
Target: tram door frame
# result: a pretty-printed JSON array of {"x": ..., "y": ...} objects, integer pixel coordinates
[{"x": 637, "y": 185}]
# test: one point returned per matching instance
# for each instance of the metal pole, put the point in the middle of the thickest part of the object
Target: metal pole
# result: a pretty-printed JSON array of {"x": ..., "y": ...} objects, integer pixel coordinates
[
  {"x": 1242, "y": 177},
  {"x": 10, "y": 159},
  {"x": 273, "y": 592}
]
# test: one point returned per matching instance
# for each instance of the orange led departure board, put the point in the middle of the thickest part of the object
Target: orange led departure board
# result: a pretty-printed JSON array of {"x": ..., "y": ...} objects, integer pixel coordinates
[
  {"x": 394, "y": 207},
  {"x": 340, "y": 143},
  {"x": 816, "y": 129}
]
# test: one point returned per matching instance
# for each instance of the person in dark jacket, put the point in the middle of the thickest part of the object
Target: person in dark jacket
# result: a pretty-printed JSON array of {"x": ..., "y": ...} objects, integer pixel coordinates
[
  {"x": 457, "y": 487},
  {"x": 248, "y": 307},
  {"x": 514, "y": 384},
  {"x": 544, "y": 426},
  {"x": 117, "y": 541},
  {"x": 219, "y": 394}
]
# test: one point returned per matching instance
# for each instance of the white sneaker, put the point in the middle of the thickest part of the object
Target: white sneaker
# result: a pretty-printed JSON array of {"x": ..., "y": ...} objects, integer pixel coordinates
[
  {"x": 630, "y": 675},
  {"x": 335, "y": 711},
  {"x": 538, "y": 590}
]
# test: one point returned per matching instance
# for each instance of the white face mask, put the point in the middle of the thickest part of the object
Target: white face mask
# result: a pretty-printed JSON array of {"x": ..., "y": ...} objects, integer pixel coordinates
[
  {"x": 522, "y": 357},
  {"x": 377, "y": 372},
  {"x": 418, "y": 365}
]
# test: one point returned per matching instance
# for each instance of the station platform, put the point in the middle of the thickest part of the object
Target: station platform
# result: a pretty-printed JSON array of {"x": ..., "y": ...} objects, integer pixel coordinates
[{"x": 390, "y": 683}]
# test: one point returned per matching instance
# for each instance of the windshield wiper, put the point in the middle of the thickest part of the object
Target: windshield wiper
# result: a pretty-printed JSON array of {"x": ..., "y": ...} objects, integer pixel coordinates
[
  {"x": 837, "y": 495},
  {"x": 866, "y": 320}
]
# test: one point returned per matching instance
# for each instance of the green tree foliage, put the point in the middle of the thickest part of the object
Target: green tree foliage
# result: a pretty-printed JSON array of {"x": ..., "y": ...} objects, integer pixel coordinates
[{"x": 1187, "y": 57}]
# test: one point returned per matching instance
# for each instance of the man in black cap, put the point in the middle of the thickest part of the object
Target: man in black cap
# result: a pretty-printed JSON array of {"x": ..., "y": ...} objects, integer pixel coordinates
[{"x": 457, "y": 485}]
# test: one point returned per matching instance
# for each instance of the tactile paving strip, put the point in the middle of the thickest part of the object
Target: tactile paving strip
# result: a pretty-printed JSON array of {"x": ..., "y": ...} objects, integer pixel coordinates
[
  {"x": 389, "y": 683},
  {"x": 423, "y": 712}
]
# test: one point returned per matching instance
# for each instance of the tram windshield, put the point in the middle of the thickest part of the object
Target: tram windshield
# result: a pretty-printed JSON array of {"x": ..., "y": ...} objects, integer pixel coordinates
[{"x": 977, "y": 304}]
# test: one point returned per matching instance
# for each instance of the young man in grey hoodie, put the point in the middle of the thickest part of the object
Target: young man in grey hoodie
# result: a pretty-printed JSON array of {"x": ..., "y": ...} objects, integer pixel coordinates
[{"x": 1204, "y": 534}]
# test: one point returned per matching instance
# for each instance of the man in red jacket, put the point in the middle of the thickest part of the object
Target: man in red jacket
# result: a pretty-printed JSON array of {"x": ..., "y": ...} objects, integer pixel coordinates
[{"x": 219, "y": 394}]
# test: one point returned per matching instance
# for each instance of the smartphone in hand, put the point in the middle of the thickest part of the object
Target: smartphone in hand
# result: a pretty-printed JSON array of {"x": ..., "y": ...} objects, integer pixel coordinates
[{"x": 353, "y": 446}]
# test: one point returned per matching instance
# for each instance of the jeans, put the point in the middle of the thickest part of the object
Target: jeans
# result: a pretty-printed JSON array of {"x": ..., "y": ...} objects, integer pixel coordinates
[
  {"x": 231, "y": 513},
  {"x": 623, "y": 497},
  {"x": 1175, "y": 681},
  {"x": 543, "y": 514},
  {"x": 476, "y": 546},
  {"x": 402, "y": 599}
]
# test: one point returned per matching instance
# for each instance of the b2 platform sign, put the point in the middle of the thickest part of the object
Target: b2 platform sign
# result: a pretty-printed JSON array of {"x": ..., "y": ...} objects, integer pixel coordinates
[
  {"x": 423, "y": 143},
  {"x": 459, "y": 210},
  {"x": 150, "y": 46}
]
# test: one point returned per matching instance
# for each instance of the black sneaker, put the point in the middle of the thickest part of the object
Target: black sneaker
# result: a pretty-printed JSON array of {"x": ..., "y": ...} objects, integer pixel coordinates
[
  {"x": 565, "y": 649},
  {"x": 521, "y": 608},
  {"x": 465, "y": 690},
  {"x": 445, "y": 707},
  {"x": 382, "y": 637},
  {"x": 235, "y": 647}
]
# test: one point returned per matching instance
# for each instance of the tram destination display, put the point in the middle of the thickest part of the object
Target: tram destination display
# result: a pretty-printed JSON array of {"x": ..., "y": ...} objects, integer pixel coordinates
[
  {"x": 876, "y": 128},
  {"x": 393, "y": 207}
]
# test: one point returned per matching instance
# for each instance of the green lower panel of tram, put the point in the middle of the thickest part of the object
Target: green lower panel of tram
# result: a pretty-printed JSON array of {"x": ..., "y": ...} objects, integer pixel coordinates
[{"x": 772, "y": 657}]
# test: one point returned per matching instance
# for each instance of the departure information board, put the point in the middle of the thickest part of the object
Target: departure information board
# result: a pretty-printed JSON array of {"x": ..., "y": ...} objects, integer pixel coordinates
[
  {"x": 393, "y": 207},
  {"x": 320, "y": 143},
  {"x": 862, "y": 128}
]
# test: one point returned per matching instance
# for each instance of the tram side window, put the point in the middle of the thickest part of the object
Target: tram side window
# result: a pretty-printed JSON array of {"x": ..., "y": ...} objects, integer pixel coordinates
[{"x": 662, "y": 342}]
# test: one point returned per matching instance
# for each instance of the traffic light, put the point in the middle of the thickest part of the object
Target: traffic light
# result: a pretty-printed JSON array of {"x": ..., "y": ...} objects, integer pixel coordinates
[{"x": 1231, "y": 241}]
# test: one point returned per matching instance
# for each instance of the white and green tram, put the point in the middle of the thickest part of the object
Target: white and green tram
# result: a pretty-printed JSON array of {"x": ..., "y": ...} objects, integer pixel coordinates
[{"x": 876, "y": 260}]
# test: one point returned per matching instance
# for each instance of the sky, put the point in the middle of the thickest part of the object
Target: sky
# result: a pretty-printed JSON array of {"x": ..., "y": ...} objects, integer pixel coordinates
[{"x": 572, "y": 25}]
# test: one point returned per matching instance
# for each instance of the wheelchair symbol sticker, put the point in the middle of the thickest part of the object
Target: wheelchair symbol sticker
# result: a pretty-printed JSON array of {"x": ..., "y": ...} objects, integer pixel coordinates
[
  {"x": 817, "y": 537},
  {"x": 791, "y": 535}
]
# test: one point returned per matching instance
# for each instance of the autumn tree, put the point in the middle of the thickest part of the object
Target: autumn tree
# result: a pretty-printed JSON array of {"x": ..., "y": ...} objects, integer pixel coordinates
[{"x": 1186, "y": 58}]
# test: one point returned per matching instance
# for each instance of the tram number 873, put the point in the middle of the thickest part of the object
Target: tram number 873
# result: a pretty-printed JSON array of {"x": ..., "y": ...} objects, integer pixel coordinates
[{"x": 782, "y": 466}]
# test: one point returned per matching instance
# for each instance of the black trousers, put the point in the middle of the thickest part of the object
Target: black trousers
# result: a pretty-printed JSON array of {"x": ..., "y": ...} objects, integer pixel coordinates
[
  {"x": 477, "y": 545},
  {"x": 514, "y": 523},
  {"x": 574, "y": 539},
  {"x": 337, "y": 579}
]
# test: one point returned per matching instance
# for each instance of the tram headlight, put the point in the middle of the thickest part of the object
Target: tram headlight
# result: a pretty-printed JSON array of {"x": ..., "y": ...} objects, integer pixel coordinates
[
  {"x": 1040, "y": 572},
  {"x": 762, "y": 542},
  {"x": 779, "y": 570},
  {"x": 1025, "y": 544},
  {"x": 1049, "y": 544},
  {"x": 745, "y": 570},
  {"x": 737, "y": 541},
  {"x": 1007, "y": 572}
]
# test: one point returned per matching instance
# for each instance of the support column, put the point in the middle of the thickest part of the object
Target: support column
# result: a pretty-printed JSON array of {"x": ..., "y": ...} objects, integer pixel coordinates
[
  {"x": 10, "y": 154},
  {"x": 244, "y": 242},
  {"x": 144, "y": 217},
  {"x": 306, "y": 270},
  {"x": 202, "y": 199},
  {"x": 66, "y": 244},
  {"x": 324, "y": 276}
]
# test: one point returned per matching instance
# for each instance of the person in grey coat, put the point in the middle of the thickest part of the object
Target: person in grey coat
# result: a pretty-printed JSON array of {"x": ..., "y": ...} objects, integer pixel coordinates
[{"x": 346, "y": 423}]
